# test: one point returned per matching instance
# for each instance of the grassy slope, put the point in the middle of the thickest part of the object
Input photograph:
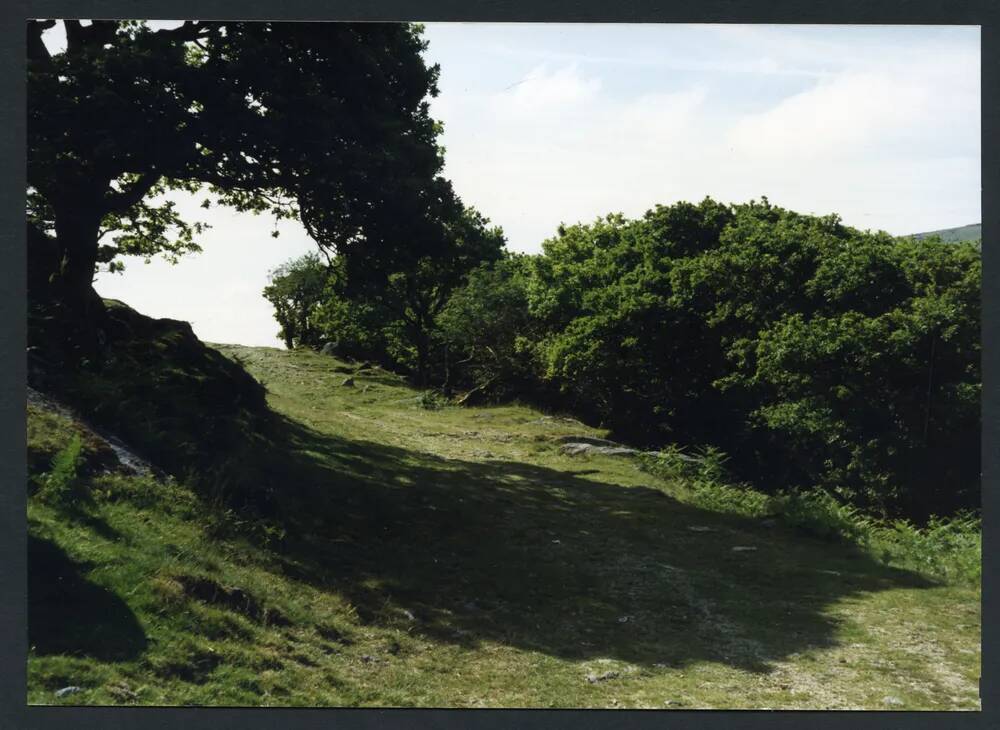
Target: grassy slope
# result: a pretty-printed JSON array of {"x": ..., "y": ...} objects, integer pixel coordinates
[
  {"x": 456, "y": 558},
  {"x": 972, "y": 232}
]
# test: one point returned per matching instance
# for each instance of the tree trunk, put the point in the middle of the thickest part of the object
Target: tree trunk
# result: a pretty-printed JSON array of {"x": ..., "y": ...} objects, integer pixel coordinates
[
  {"x": 66, "y": 320},
  {"x": 77, "y": 227},
  {"x": 421, "y": 359}
]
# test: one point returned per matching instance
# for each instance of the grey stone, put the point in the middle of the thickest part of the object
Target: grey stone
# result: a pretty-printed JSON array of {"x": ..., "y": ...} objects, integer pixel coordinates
[
  {"x": 595, "y": 678},
  {"x": 72, "y": 689},
  {"x": 592, "y": 440},
  {"x": 577, "y": 448}
]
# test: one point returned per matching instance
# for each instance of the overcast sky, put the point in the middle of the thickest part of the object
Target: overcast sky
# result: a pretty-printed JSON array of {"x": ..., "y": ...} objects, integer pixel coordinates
[{"x": 562, "y": 123}]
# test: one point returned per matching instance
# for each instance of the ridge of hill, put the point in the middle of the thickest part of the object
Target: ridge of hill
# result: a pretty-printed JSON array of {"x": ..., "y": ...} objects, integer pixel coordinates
[
  {"x": 432, "y": 555},
  {"x": 972, "y": 232}
]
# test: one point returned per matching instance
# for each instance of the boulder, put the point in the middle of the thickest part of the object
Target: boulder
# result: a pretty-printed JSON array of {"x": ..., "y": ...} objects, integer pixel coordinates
[
  {"x": 576, "y": 448},
  {"x": 593, "y": 441}
]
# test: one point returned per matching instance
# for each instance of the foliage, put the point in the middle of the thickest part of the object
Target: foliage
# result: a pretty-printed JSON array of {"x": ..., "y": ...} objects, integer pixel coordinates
[
  {"x": 615, "y": 343},
  {"x": 944, "y": 549},
  {"x": 390, "y": 316},
  {"x": 489, "y": 331},
  {"x": 431, "y": 401},
  {"x": 816, "y": 354},
  {"x": 413, "y": 292},
  {"x": 296, "y": 289},
  {"x": 705, "y": 480},
  {"x": 326, "y": 122}
]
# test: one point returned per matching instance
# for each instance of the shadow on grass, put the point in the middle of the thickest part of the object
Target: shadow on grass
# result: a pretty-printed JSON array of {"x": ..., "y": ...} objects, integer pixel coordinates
[
  {"x": 545, "y": 560},
  {"x": 67, "y": 614}
]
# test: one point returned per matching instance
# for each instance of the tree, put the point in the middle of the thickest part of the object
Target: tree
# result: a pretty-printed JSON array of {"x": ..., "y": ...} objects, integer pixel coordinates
[
  {"x": 616, "y": 343},
  {"x": 415, "y": 285},
  {"x": 489, "y": 331},
  {"x": 384, "y": 307},
  {"x": 296, "y": 289},
  {"x": 325, "y": 121}
]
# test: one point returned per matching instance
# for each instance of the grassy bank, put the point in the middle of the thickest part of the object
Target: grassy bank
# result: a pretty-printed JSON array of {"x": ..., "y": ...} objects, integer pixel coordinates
[
  {"x": 440, "y": 556},
  {"x": 945, "y": 549}
]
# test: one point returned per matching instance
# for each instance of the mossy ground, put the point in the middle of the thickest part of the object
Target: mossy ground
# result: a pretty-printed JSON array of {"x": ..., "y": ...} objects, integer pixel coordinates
[{"x": 455, "y": 557}]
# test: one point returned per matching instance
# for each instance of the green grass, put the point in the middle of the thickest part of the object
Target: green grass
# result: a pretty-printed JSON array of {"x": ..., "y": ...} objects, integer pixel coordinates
[
  {"x": 455, "y": 557},
  {"x": 947, "y": 550}
]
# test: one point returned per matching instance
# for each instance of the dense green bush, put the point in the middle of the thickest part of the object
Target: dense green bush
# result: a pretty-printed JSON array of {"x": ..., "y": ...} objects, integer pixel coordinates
[
  {"x": 817, "y": 355},
  {"x": 490, "y": 332}
]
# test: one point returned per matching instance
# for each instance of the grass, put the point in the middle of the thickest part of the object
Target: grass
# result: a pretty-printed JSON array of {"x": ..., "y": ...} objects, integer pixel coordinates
[
  {"x": 946, "y": 549},
  {"x": 455, "y": 557}
]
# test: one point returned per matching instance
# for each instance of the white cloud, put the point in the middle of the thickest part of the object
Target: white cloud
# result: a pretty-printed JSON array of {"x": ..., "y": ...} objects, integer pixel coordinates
[
  {"x": 543, "y": 90},
  {"x": 850, "y": 110}
]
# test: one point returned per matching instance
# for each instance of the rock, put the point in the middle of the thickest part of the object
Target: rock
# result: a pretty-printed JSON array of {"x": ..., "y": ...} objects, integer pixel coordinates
[
  {"x": 595, "y": 678},
  {"x": 743, "y": 549},
  {"x": 122, "y": 692},
  {"x": 367, "y": 658},
  {"x": 700, "y": 528},
  {"x": 623, "y": 619},
  {"x": 71, "y": 690},
  {"x": 892, "y": 701},
  {"x": 593, "y": 441},
  {"x": 330, "y": 348},
  {"x": 577, "y": 448},
  {"x": 348, "y": 383}
]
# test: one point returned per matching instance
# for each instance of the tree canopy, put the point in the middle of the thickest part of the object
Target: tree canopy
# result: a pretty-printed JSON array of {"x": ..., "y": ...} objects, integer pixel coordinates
[
  {"x": 328, "y": 122},
  {"x": 387, "y": 310}
]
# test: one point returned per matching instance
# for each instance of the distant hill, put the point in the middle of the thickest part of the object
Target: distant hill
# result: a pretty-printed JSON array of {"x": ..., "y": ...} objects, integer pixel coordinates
[{"x": 973, "y": 232}]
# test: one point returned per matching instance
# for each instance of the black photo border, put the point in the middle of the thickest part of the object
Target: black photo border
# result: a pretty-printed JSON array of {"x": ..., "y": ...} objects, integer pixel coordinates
[{"x": 15, "y": 714}]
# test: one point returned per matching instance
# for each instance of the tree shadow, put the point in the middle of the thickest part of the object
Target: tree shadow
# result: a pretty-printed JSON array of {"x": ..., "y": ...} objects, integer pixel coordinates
[
  {"x": 68, "y": 614},
  {"x": 550, "y": 561}
]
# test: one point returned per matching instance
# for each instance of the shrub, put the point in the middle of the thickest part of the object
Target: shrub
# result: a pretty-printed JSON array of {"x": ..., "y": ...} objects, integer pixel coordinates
[
  {"x": 431, "y": 401},
  {"x": 819, "y": 513}
]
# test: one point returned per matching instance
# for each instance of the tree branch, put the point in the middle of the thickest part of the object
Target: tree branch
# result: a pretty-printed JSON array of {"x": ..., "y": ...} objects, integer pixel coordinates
[
  {"x": 74, "y": 35},
  {"x": 97, "y": 33},
  {"x": 190, "y": 30},
  {"x": 36, "y": 46},
  {"x": 121, "y": 202}
]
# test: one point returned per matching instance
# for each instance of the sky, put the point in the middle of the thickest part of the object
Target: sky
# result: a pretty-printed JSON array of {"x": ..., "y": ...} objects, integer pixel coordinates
[{"x": 559, "y": 123}]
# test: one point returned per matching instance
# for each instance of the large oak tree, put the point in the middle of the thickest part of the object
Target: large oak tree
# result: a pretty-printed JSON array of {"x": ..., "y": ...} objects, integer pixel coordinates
[{"x": 328, "y": 122}]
